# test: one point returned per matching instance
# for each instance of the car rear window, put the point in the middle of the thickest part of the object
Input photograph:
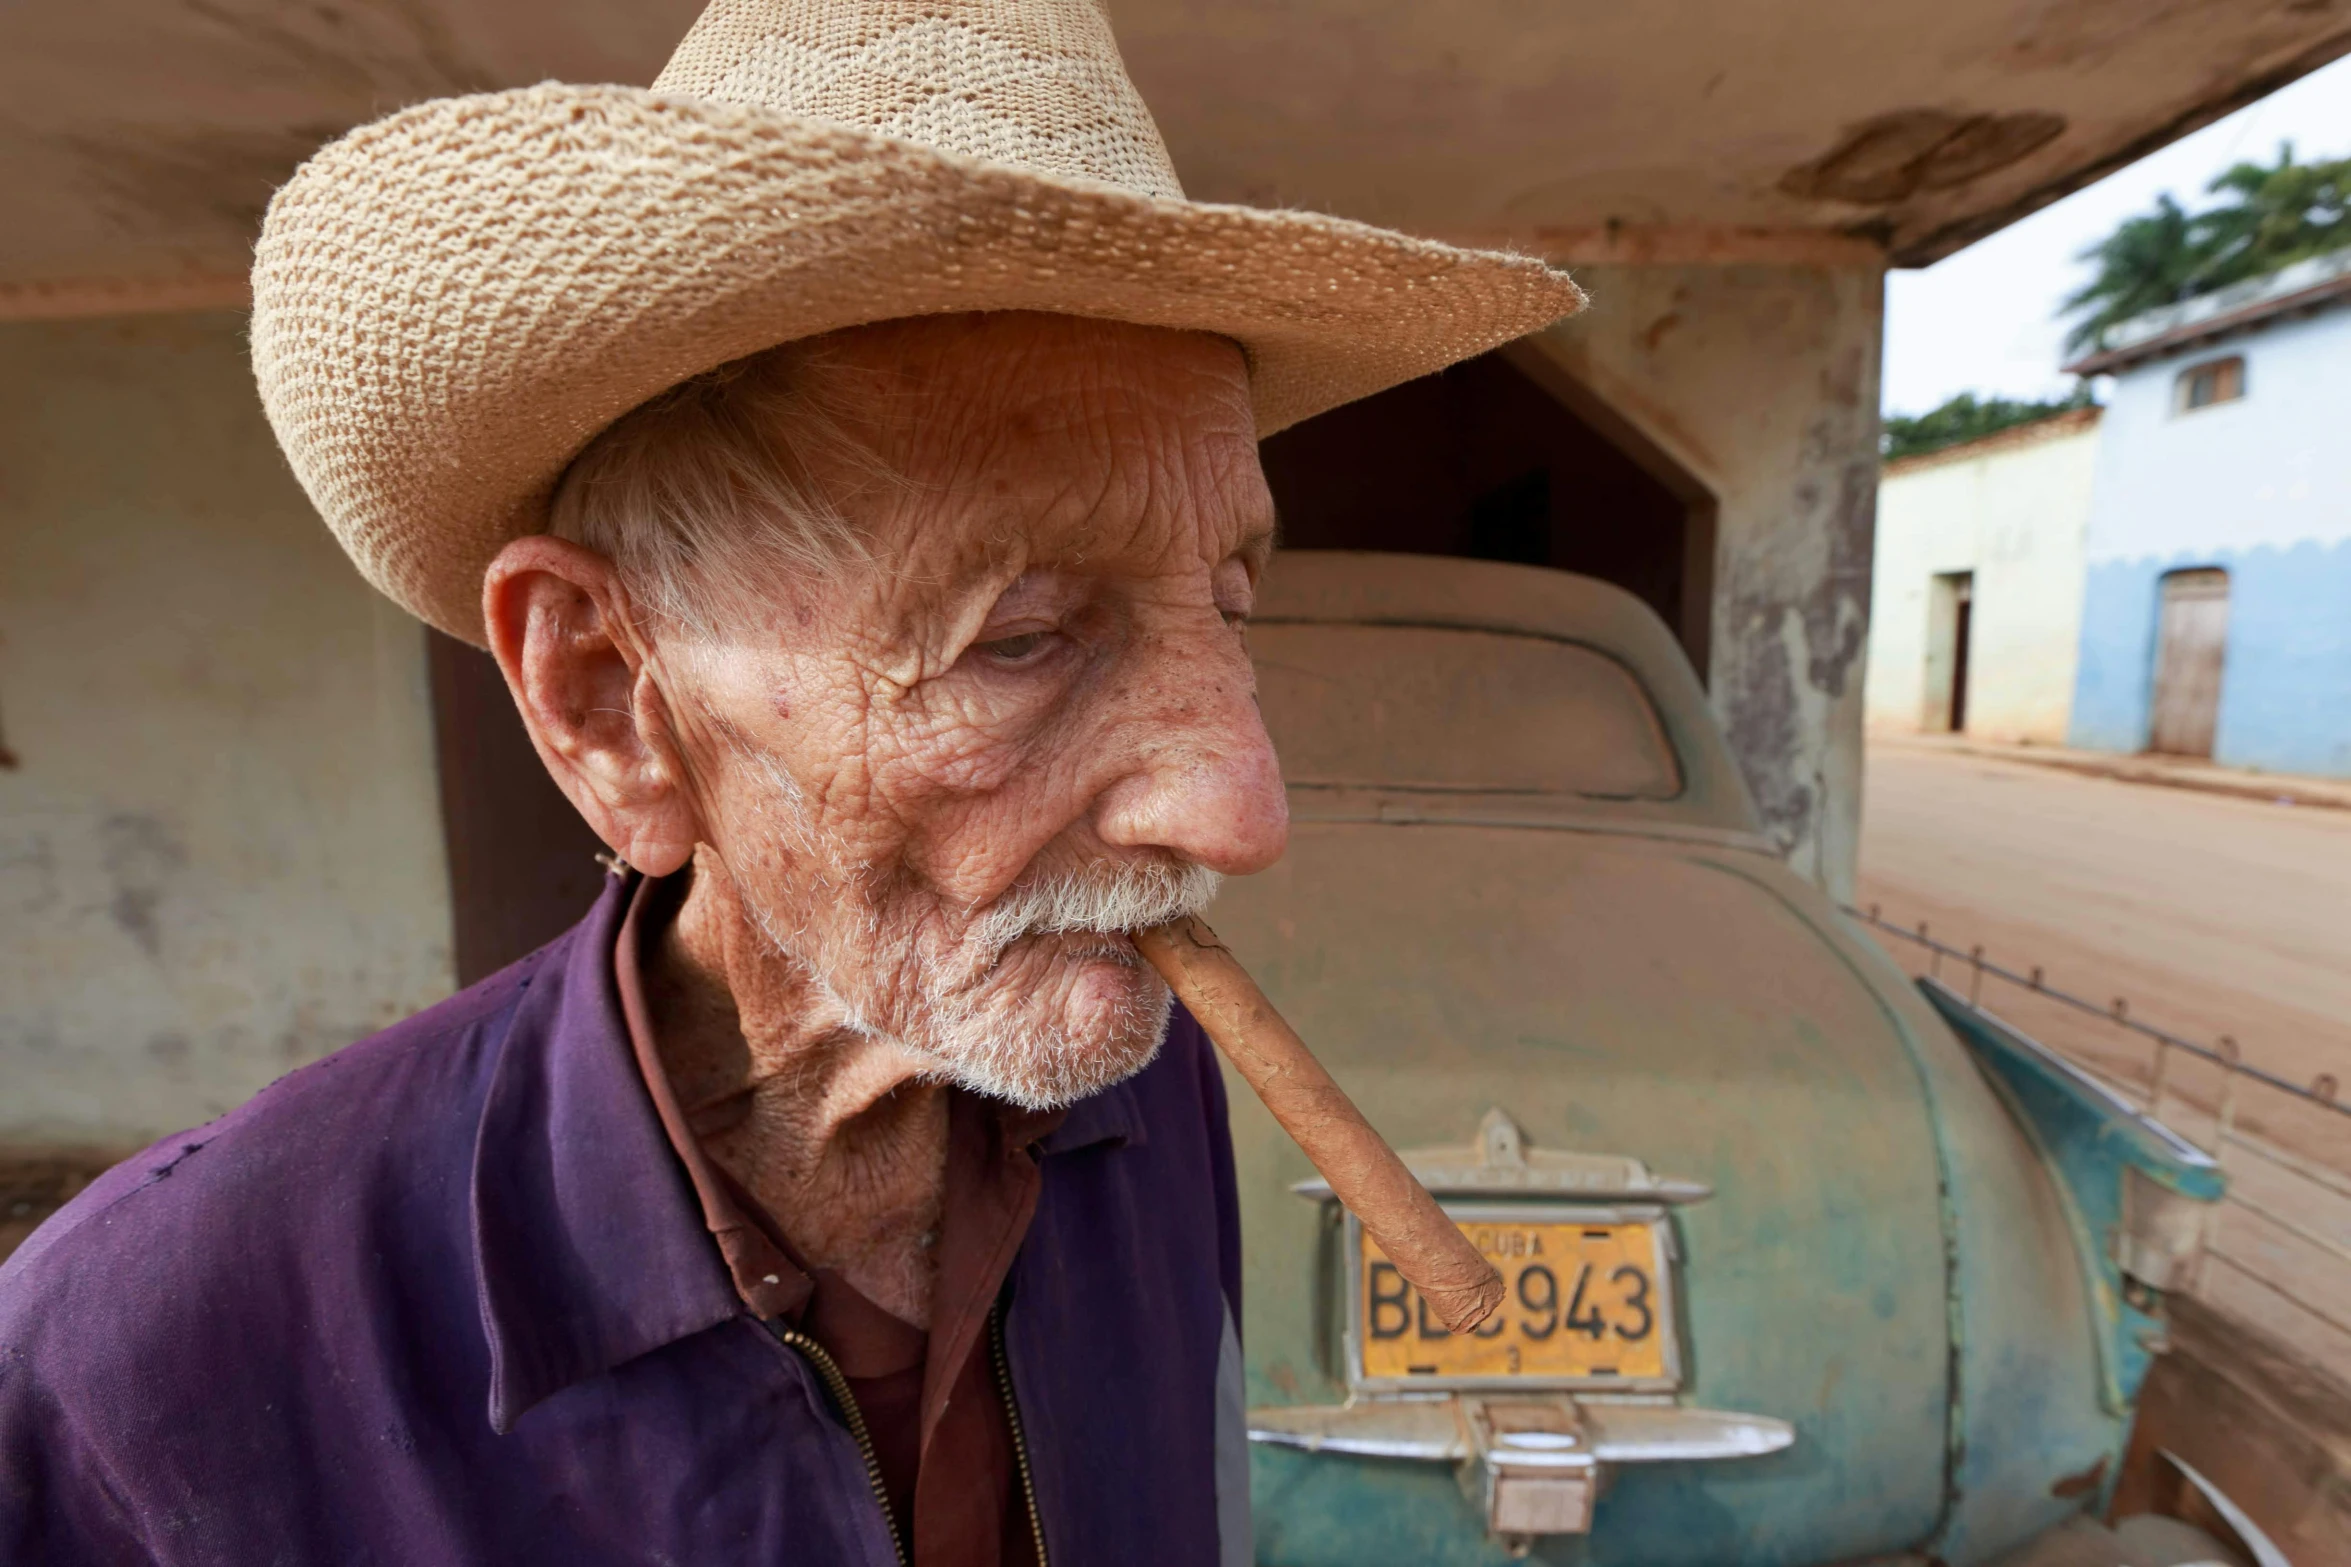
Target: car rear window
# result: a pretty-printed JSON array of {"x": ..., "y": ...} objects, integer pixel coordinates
[{"x": 1437, "y": 708}]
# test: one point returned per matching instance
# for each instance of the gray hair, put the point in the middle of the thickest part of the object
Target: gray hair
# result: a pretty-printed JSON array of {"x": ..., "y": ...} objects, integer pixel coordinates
[{"x": 706, "y": 498}]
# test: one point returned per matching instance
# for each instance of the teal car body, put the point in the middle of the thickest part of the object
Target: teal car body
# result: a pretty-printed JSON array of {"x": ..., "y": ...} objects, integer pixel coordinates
[{"x": 1527, "y": 900}]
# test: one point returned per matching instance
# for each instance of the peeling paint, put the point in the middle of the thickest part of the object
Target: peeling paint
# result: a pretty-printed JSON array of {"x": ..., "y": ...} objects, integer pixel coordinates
[
  {"x": 1804, "y": 634},
  {"x": 1765, "y": 387},
  {"x": 1836, "y": 610},
  {"x": 1766, "y": 727}
]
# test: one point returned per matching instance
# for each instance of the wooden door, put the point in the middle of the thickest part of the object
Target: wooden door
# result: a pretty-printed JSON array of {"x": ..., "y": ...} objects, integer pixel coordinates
[{"x": 2190, "y": 641}]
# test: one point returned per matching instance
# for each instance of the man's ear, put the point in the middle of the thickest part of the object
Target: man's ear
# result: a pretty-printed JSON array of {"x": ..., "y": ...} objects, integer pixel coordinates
[{"x": 559, "y": 626}]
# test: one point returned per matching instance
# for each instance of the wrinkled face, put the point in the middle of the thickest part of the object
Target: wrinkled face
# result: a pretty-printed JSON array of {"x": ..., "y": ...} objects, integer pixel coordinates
[{"x": 947, "y": 781}]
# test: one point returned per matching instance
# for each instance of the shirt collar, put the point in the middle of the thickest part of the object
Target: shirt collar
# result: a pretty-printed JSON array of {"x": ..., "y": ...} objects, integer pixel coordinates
[
  {"x": 588, "y": 1243},
  {"x": 766, "y": 1275},
  {"x": 1110, "y": 1117}
]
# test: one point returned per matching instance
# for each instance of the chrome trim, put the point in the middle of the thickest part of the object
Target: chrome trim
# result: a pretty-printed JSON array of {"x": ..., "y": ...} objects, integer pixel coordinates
[
  {"x": 1501, "y": 1163},
  {"x": 1435, "y": 1430}
]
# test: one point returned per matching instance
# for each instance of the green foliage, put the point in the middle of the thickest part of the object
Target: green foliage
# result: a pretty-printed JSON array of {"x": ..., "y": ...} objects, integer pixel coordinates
[
  {"x": 2270, "y": 216},
  {"x": 2278, "y": 215},
  {"x": 2149, "y": 261},
  {"x": 1966, "y": 418}
]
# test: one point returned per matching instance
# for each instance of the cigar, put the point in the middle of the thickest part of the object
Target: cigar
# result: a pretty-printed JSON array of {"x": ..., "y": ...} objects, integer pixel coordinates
[{"x": 1364, "y": 1172}]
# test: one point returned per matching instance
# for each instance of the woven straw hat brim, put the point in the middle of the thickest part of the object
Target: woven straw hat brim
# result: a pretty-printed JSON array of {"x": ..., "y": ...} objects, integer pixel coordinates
[{"x": 450, "y": 303}]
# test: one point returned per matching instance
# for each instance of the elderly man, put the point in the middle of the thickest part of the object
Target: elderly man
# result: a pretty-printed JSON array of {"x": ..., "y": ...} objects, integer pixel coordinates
[{"x": 848, "y": 450}]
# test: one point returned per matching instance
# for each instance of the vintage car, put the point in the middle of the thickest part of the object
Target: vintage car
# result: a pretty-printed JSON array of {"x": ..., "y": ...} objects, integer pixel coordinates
[{"x": 1804, "y": 1266}]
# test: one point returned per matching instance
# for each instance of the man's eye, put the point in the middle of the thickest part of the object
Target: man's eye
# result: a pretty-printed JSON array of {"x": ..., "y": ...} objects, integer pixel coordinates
[{"x": 1016, "y": 650}]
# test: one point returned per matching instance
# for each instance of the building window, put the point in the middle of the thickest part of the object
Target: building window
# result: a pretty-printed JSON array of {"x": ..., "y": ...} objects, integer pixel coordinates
[{"x": 2214, "y": 381}]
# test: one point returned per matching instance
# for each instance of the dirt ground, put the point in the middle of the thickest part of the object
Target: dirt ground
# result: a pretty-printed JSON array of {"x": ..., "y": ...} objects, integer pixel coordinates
[{"x": 2210, "y": 915}]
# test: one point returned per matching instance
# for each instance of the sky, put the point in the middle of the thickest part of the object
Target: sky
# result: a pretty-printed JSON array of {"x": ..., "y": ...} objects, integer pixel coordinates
[{"x": 1985, "y": 320}]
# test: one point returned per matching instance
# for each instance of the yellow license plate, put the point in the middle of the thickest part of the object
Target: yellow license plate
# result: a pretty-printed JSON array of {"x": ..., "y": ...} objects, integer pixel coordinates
[{"x": 1584, "y": 1302}]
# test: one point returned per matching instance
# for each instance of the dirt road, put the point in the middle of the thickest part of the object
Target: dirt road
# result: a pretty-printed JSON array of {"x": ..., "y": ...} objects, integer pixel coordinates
[{"x": 2211, "y": 915}]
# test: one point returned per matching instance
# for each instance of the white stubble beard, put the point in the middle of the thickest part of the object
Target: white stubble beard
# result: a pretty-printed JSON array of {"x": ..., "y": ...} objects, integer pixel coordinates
[
  {"x": 958, "y": 1023},
  {"x": 1059, "y": 1060}
]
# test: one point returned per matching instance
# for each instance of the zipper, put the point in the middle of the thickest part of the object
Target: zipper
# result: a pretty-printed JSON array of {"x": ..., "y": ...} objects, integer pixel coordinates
[
  {"x": 1020, "y": 1446},
  {"x": 838, "y": 1385}
]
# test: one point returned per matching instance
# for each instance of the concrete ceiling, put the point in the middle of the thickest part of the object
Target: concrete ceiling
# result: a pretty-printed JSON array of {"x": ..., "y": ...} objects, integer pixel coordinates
[{"x": 140, "y": 138}]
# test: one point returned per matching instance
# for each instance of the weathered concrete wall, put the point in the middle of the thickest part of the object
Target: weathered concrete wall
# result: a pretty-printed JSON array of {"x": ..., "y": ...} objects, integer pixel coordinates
[
  {"x": 1761, "y": 382},
  {"x": 220, "y": 847},
  {"x": 2014, "y": 511}
]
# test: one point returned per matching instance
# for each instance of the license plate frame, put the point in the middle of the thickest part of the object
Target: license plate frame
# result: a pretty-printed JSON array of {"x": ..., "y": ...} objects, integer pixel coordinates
[{"x": 1663, "y": 1303}]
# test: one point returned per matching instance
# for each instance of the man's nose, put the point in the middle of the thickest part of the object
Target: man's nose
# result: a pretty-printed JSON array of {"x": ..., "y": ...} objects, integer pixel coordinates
[{"x": 1205, "y": 787}]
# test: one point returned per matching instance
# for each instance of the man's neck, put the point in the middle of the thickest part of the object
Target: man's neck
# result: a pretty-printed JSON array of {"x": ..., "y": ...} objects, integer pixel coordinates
[{"x": 838, "y": 1135}]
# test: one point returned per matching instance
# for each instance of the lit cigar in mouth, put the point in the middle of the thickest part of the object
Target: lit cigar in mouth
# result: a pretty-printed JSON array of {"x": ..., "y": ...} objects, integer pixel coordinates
[{"x": 1364, "y": 1172}]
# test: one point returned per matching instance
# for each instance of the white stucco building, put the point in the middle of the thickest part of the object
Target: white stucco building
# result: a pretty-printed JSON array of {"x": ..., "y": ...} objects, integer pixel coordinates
[
  {"x": 1976, "y": 587},
  {"x": 2217, "y": 601}
]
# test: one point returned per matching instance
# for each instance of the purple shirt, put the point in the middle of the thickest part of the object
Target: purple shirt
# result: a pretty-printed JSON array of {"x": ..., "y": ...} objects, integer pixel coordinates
[{"x": 447, "y": 1297}]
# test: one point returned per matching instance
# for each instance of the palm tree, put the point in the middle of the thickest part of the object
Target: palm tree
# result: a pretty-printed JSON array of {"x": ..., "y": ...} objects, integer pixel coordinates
[
  {"x": 2148, "y": 261},
  {"x": 2278, "y": 214},
  {"x": 2271, "y": 216}
]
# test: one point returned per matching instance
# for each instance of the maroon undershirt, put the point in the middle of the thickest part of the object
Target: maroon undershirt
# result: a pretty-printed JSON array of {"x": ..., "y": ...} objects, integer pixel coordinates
[{"x": 930, "y": 1400}]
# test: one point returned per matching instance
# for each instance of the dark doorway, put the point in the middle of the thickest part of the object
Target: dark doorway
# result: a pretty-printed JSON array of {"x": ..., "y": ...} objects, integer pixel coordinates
[
  {"x": 1963, "y": 638},
  {"x": 522, "y": 864},
  {"x": 1950, "y": 632},
  {"x": 1501, "y": 458}
]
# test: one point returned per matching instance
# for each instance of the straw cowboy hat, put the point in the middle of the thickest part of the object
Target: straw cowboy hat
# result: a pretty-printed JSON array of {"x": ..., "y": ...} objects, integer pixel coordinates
[{"x": 450, "y": 303}]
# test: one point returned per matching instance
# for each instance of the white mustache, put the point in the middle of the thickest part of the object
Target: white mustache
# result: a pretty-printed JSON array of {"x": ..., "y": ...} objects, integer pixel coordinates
[{"x": 1106, "y": 899}]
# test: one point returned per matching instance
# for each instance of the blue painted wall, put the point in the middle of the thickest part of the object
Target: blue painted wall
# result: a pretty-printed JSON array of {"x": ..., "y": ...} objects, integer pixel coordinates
[
  {"x": 2261, "y": 488},
  {"x": 2285, "y": 696}
]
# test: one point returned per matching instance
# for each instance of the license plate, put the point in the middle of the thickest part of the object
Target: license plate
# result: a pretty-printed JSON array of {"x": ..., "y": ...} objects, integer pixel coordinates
[{"x": 1586, "y": 1303}]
